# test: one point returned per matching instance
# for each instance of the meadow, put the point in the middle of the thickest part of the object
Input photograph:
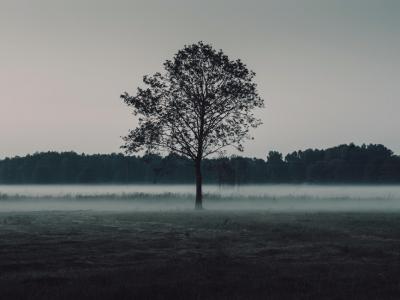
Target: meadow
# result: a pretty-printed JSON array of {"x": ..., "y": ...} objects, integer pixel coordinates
[{"x": 294, "y": 243}]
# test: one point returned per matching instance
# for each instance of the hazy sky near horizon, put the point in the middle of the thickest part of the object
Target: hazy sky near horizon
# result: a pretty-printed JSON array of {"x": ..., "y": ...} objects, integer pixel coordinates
[{"x": 329, "y": 70}]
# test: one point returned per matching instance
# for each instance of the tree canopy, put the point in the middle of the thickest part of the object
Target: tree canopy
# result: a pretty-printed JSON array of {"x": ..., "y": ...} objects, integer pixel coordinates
[{"x": 202, "y": 103}]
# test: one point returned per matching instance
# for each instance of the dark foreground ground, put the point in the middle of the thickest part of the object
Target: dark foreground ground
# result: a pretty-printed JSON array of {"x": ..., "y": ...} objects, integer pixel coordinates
[{"x": 205, "y": 255}]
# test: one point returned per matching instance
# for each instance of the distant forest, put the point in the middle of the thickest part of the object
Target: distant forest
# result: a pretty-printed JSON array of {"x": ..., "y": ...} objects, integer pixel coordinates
[{"x": 341, "y": 164}]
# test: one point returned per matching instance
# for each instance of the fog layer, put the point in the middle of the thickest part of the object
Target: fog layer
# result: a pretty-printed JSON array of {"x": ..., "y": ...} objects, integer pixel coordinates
[{"x": 181, "y": 198}]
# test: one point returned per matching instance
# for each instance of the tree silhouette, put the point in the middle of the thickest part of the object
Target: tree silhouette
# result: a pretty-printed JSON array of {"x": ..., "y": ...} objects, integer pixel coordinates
[{"x": 201, "y": 104}]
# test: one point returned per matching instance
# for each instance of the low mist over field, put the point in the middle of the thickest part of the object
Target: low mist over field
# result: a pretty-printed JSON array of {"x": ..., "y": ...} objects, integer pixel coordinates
[{"x": 180, "y": 198}]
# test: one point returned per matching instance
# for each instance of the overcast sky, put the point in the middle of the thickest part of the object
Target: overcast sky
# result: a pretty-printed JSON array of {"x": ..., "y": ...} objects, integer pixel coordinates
[{"x": 329, "y": 70}]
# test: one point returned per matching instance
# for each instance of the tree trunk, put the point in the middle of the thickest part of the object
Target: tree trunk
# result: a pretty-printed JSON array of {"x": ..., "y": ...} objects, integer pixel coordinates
[{"x": 199, "y": 182}]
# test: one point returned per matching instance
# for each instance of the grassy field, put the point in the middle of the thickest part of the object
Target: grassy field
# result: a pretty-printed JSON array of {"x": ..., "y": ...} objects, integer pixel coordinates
[{"x": 199, "y": 255}]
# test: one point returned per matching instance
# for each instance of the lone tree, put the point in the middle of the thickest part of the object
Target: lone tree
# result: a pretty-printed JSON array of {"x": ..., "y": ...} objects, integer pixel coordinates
[{"x": 202, "y": 103}]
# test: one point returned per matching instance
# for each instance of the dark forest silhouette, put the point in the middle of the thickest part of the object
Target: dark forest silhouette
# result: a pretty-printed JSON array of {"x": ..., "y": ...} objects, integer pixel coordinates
[{"x": 341, "y": 164}]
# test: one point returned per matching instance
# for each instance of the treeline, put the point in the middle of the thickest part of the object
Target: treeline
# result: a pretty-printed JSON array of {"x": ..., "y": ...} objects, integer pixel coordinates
[
  {"x": 70, "y": 167},
  {"x": 341, "y": 164}
]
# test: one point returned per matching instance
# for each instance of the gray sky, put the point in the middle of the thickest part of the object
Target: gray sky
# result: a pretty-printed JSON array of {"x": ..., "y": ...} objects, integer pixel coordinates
[{"x": 329, "y": 71}]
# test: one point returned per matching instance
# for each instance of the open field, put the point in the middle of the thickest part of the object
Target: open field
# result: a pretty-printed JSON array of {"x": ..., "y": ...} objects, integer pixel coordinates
[{"x": 199, "y": 255}]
